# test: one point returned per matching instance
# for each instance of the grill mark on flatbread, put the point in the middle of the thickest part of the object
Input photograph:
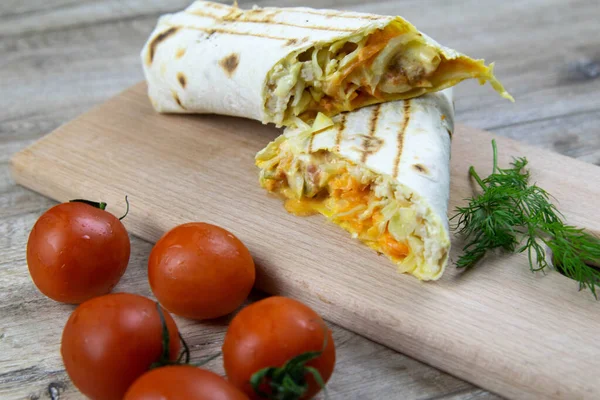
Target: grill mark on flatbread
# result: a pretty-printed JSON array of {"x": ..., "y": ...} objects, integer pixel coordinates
[
  {"x": 449, "y": 132},
  {"x": 230, "y": 63},
  {"x": 267, "y": 15},
  {"x": 212, "y": 31},
  {"x": 340, "y": 132},
  {"x": 157, "y": 40},
  {"x": 367, "y": 145},
  {"x": 230, "y": 16},
  {"x": 219, "y": 6},
  {"x": 297, "y": 10},
  {"x": 373, "y": 145},
  {"x": 400, "y": 138},
  {"x": 181, "y": 79},
  {"x": 180, "y": 52},
  {"x": 336, "y": 14},
  {"x": 177, "y": 100},
  {"x": 269, "y": 12},
  {"x": 268, "y": 20},
  {"x": 421, "y": 169},
  {"x": 310, "y": 143}
]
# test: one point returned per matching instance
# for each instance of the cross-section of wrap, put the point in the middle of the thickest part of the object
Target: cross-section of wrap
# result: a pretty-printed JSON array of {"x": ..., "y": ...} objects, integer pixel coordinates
[
  {"x": 278, "y": 64},
  {"x": 381, "y": 173}
]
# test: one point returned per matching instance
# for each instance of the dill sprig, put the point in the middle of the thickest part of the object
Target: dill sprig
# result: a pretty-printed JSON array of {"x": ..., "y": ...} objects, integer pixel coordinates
[{"x": 516, "y": 217}]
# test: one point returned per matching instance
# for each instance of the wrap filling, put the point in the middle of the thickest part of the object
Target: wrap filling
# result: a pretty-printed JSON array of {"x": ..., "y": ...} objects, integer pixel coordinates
[
  {"x": 379, "y": 211},
  {"x": 387, "y": 64}
]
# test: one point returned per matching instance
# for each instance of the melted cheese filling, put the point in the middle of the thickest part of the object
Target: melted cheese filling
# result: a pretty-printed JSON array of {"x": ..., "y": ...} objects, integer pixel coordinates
[
  {"x": 388, "y": 64},
  {"x": 348, "y": 203},
  {"x": 360, "y": 201}
]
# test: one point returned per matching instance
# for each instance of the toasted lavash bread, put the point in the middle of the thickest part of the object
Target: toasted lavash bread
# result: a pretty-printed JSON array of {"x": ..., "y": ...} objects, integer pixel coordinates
[
  {"x": 402, "y": 146},
  {"x": 214, "y": 58}
]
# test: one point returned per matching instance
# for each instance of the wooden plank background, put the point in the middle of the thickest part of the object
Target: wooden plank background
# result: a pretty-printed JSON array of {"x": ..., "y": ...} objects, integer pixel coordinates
[{"x": 60, "y": 57}]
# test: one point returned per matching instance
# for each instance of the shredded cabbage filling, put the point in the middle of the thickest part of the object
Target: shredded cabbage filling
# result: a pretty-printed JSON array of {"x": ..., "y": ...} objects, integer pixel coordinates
[
  {"x": 365, "y": 204},
  {"x": 387, "y": 64}
]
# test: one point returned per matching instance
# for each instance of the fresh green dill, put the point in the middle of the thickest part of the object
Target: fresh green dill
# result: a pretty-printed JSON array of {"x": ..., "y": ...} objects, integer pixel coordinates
[{"x": 516, "y": 217}]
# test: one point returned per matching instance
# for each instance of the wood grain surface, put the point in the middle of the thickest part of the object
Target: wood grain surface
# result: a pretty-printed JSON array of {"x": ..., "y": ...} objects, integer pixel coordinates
[
  {"x": 60, "y": 57},
  {"x": 483, "y": 326}
]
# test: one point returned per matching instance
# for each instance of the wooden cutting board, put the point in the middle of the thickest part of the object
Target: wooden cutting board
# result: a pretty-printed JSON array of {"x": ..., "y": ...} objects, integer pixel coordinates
[{"x": 499, "y": 326}]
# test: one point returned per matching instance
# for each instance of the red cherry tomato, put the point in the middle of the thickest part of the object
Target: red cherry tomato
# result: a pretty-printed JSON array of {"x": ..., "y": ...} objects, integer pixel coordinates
[
  {"x": 200, "y": 271},
  {"x": 76, "y": 251},
  {"x": 183, "y": 382},
  {"x": 269, "y": 333},
  {"x": 110, "y": 341}
]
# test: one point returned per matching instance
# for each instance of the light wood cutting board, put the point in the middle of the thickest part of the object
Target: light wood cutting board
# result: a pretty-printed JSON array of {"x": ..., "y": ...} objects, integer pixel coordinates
[{"x": 499, "y": 326}]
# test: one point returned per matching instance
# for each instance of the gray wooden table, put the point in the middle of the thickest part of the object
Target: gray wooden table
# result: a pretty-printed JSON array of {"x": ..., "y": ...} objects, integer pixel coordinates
[{"x": 58, "y": 58}]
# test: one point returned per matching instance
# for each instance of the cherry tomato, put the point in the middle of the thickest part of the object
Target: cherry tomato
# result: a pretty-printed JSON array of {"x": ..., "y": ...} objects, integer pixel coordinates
[
  {"x": 182, "y": 382},
  {"x": 269, "y": 333},
  {"x": 110, "y": 341},
  {"x": 200, "y": 271},
  {"x": 76, "y": 251}
]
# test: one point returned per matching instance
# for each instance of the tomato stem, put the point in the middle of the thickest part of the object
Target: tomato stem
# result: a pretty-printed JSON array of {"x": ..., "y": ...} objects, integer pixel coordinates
[
  {"x": 289, "y": 382},
  {"x": 165, "y": 357},
  {"x": 166, "y": 341},
  {"x": 185, "y": 352},
  {"x": 101, "y": 205},
  {"x": 127, "y": 212}
]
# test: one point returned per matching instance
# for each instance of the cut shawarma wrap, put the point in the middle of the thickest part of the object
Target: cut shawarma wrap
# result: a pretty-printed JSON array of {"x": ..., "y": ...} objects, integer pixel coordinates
[
  {"x": 381, "y": 173},
  {"x": 283, "y": 64}
]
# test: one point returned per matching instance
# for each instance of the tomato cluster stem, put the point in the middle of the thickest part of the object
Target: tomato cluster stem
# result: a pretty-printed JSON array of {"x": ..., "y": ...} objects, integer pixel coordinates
[
  {"x": 97, "y": 204},
  {"x": 289, "y": 381},
  {"x": 165, "y": 357},
  {"x": 100, "y": 205}
]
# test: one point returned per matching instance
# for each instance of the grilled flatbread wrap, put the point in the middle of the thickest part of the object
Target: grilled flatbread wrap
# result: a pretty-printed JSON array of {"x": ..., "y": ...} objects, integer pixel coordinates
[
  {"x": 278, "y": 64},
  {"x": 381, "y": 173}
]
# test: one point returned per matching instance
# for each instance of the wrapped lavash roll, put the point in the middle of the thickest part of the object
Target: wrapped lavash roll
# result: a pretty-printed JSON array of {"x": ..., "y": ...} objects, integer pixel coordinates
[
  {"x": 380, "y": 172},
  {"x": 278, "y": 64}
]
